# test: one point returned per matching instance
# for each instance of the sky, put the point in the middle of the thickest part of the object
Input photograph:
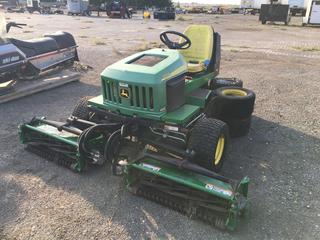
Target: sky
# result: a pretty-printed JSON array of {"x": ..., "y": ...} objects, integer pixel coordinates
[{"x": 209, "y": 1}]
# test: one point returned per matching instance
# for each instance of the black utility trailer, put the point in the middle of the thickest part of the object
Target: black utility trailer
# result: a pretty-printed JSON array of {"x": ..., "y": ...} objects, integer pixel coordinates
[
  {"x": 275, "y": 13},
  {"x": 165, "y": 14}
]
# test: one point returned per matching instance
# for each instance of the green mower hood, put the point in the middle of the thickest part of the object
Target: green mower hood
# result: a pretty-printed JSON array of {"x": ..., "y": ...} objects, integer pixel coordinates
[
  {"x": 137, "y": 84},
  {"x": 149, "y": 67}
]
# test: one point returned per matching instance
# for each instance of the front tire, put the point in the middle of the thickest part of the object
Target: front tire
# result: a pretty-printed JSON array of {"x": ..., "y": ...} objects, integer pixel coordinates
[
  {"x": 81, "y": 109},
  {"x": 209, "y": 139}
]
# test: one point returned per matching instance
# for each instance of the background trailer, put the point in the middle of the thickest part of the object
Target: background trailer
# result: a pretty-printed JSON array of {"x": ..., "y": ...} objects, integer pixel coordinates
[{"x": 313, "y": 13}]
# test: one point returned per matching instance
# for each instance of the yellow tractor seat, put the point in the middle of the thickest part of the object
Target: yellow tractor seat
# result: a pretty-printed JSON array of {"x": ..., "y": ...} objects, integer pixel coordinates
[{"x": 199, "y": 54}]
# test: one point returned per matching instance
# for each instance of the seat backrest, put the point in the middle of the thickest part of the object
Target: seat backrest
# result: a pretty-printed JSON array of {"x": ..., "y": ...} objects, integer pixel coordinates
[{"x": 202, "y": 40}]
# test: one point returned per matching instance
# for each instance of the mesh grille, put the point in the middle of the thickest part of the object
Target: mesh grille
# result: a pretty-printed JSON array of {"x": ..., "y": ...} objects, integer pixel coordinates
[{"x": 139, "y": 97}]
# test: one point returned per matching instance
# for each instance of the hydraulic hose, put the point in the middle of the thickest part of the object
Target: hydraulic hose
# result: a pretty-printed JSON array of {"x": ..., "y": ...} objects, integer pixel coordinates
[{"x": 87, "y": 134}]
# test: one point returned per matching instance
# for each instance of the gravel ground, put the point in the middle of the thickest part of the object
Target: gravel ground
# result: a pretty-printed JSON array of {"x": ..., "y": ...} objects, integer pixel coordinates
[{"x": 39, "y": 200}]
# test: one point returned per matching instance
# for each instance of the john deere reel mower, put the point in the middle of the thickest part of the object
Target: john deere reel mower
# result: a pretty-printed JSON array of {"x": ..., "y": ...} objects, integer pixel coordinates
[{"x": 158, "y": 123}]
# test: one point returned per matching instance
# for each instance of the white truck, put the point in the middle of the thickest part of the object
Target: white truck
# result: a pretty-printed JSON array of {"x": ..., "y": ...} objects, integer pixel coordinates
[{"x": 313, "y": 13}]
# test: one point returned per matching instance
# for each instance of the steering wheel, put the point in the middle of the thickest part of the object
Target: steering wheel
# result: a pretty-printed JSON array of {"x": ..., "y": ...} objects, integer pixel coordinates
[{"x": 175, "y": 45}]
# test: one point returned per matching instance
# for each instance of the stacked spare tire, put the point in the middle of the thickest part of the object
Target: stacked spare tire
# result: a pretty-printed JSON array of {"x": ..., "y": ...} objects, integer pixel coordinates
[{"x": 233, "y": 105}]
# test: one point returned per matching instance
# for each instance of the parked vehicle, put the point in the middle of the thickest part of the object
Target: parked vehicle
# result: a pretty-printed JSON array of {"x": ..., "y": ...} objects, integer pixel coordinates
[
  {"x": 313, "y": 13},
  {"x": 181, "y": 11},
  {"x": 118, "y": 9},
  {"x": 78, "y": 7},
  {"x": 26, "y": 60},
  {"x": 165, "y": 14}
]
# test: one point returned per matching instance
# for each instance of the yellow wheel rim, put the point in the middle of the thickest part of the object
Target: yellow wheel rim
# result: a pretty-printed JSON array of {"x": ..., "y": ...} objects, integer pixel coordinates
[
  {"x": 234, "y": 92},
  {"x": 5, "y": 84},
  {"x": 219, "y": 150}
]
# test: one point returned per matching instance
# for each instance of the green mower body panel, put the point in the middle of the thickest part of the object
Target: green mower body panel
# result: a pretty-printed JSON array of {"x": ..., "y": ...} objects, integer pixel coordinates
[{"x": 138, "y": 86}]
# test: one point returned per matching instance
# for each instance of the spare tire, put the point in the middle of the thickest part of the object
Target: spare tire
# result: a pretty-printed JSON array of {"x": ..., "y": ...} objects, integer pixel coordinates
[
  {"x": 238, "y": 127},
  {"x": 226, "y": 82},
  {"x": 234, "y": 103}
]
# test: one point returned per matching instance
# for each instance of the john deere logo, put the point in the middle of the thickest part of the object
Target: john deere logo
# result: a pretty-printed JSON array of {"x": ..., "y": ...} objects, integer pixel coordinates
[{"x": 124, "y": 93}]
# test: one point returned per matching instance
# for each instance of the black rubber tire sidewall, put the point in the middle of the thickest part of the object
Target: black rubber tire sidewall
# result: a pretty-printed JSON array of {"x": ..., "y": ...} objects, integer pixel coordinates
[
  {"x": 203, "y": 140},
  {"x": 234, "y": 107},
  {"x": 238, "y": 127},
  {"x": 226, "y": 82},
  {"x": 81, "y": 109}
]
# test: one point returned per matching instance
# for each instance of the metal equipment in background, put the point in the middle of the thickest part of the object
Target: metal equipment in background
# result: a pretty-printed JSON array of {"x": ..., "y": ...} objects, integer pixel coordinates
[
  {"x": 34, "y": 6},
  {"x": 118, "y": 9},
  {"x": 163, "y": 121},
  {"x": 44, "y": 7},
  {"x": 168, "y": 13},
  {"x": 78, "y": 7},
  {"x": 298, "y": 7},
  {"x": 275, "y": 13},
  {"x": 313, "y": 13}
]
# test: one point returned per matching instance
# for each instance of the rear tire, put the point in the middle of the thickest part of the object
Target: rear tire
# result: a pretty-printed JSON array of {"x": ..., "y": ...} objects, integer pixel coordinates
[
  {"x": 81, "y": 109},
  {"x": 209, "y": 139}
]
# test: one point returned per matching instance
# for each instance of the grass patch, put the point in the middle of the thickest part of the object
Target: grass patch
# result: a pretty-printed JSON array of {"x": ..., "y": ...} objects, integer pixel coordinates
[
  {"x": 116, "y": 51},
  {"x": 181, "y": 18},
  {"x": 244, "y": 47},
  {"x": 27, "y": 31},
  {"x": 83, "y": 36},
  {"x": 151, "y": 28},
  {"x": 307, "y": 49},
  {"x": 99, "y": 42},
  {"x": 142, "y": 47},
  {"x": 234, "y": 50},
  {"x": 88, "y": 21},
  {"x": 148, "y": 45},
  {"x": 79, "y": 67}
]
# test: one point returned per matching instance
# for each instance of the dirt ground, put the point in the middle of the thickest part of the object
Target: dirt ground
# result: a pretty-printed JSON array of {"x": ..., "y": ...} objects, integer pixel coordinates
[{"x": 40, "y": 200}]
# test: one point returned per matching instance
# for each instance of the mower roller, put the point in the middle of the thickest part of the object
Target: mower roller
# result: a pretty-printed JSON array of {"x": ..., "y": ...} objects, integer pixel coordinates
[{"x": 155, "y": 124}]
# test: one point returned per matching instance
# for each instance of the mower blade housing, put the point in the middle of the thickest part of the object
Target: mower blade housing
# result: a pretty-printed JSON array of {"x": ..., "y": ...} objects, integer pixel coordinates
[
  {"x": 209, "y": 199},
  {"x": 55, "y": 145}
]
